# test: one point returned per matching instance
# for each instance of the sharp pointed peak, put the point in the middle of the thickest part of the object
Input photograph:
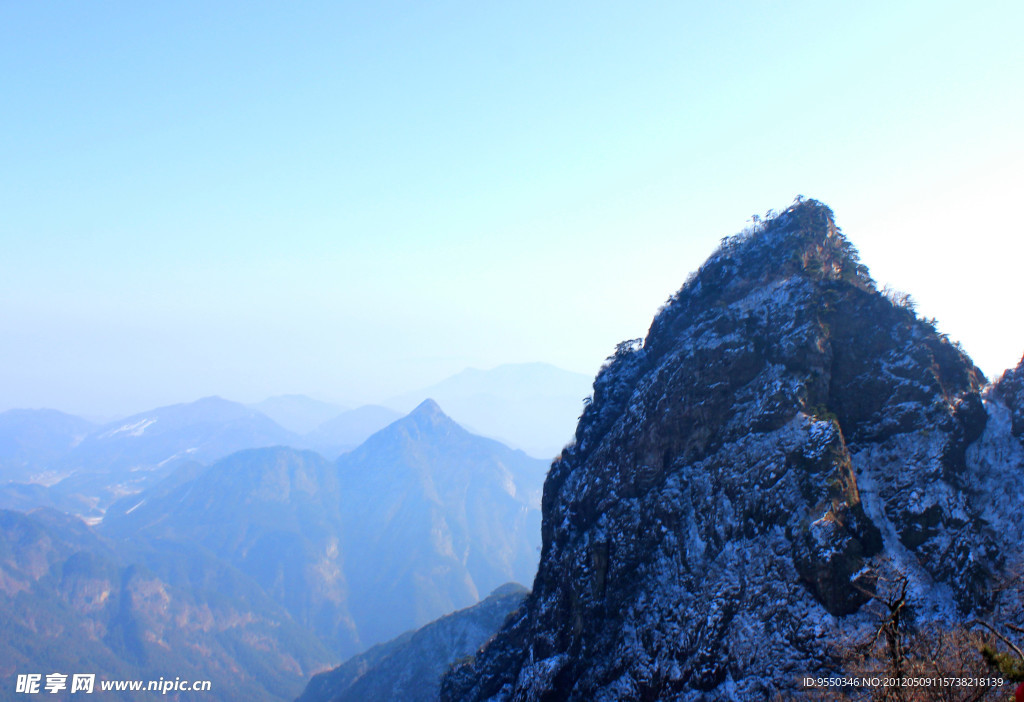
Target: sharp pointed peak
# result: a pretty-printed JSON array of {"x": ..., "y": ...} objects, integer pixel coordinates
[
  {"x": 802, "y": 239},
  {"x": 429, "y": 418},
  {"x": 428, "y": 409}
]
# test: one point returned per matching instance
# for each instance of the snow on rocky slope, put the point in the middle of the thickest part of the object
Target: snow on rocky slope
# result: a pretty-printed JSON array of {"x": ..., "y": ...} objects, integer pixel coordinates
[{"x": 785, "y": 438}]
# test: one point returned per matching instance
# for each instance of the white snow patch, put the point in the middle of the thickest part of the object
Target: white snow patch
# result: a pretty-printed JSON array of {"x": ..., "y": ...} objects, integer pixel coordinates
[
  {"x": 140, "y": 503},
  {"x": 167, "y": 460},
  {"x": 134, "y": 429}
]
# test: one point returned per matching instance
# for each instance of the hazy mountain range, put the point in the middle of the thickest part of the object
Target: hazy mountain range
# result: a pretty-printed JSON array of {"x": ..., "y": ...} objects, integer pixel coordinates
[
  {"x": 51, "y": 459},
  {"x": 272, "y": 562}
]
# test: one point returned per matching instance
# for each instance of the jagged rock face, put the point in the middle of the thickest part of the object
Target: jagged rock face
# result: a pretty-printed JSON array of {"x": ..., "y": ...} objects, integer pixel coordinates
[{"x": 784, "y": 434}]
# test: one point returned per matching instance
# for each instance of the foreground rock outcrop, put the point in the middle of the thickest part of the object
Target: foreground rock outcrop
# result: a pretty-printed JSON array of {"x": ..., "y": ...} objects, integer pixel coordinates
[{"x": 785, "y": 439}]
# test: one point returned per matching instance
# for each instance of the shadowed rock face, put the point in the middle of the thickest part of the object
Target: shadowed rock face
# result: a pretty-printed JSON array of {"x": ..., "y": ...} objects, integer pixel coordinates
[{"x": 784, "y": 436}]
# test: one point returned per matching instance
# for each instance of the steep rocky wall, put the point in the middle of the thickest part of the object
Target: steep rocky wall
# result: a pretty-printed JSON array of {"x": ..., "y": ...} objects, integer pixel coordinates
[{"x": 784, "y": 436}]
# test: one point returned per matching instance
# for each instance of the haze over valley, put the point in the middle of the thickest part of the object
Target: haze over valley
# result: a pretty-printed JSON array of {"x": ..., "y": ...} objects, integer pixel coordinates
[{"x": 219, "y": 551}]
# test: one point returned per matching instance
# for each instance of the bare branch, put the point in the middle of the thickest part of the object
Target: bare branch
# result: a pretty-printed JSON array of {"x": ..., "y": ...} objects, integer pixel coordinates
[{"x": 1002, "y": 638}]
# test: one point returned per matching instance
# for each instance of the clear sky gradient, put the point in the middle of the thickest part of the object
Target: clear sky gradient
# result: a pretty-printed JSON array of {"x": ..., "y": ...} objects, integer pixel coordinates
[{"x": 350, "y": 200}]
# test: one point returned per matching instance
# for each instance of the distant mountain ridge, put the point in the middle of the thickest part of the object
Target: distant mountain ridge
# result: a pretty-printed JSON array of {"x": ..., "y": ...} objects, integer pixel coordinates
[
  {"x": 204, "y": 430},
  {"x": 51, "y": 459},
  {"x": 107, "y": 462},
  {"x": 532, "y": 406},
  {"x": 413, "y": 524}
]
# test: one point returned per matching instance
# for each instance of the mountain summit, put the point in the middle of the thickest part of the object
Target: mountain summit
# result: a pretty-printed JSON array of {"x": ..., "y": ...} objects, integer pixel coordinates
[
  {"x": 531, "y": 406},
  {"x": 450, "y": 514},
  {"x": 428, "y": 411},
  {"x": 786, "y": 440}
]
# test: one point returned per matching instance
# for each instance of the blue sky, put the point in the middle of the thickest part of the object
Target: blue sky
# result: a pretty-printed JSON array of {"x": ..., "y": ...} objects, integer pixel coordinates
[{"x": 350, "y": 200}]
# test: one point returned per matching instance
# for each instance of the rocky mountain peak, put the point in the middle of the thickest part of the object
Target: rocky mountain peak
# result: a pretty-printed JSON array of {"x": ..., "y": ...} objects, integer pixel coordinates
[
  {"x": 785, "y": 437},
  {"x": 803, "y": 239},
  {"x": 800, "y": 242}
]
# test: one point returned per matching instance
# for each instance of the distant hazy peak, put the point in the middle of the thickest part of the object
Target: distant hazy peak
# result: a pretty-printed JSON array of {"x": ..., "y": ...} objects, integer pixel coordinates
[
  {"x": 428, "y": 409},
  {"x": 426, "y": 422},
  {"x": 428, "y": 418}
]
